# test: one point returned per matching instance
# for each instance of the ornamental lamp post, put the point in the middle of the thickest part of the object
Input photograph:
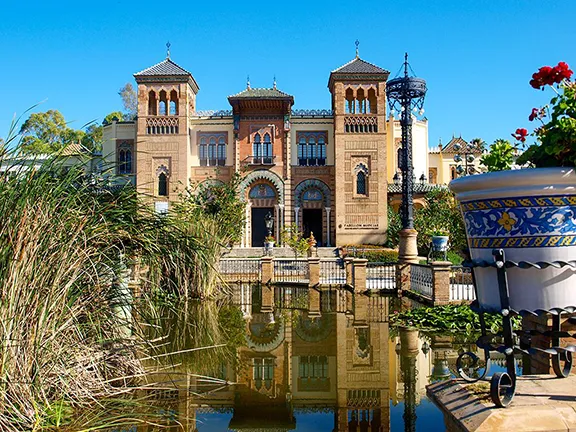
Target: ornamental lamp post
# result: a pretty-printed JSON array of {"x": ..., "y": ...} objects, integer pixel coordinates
[{"x": 407, "y": 94}]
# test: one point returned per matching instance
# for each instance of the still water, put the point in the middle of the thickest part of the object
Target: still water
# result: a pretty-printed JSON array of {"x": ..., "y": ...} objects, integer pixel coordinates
[{"x": 292, "y": 359}]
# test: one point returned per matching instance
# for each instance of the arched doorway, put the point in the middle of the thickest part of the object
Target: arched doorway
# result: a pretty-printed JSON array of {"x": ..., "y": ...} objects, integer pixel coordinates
[
  {"x": 313, "y": 211},
  {"x": 263, "y": 199}
]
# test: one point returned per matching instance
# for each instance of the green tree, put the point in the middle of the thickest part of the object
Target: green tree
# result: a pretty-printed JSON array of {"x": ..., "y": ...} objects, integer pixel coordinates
[
  {"x": 394, "y": 227},
  {"x": 94, "y": 137},
  {"x": 500, "y": 156},
  {"x": 129, "y": 100},
  {"x": 440, "y": 213},
  {"x": 294, "y": 239},
  {"x": 114, "y": 115},
  {"x": 47, "y": 132}
]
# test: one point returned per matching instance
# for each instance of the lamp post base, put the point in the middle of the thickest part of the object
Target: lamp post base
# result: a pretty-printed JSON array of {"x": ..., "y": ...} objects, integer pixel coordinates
[{"x": 408, "y": 248}]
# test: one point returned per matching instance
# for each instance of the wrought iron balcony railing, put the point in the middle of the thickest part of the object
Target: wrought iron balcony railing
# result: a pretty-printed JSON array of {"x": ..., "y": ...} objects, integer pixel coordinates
[{"x": 260, "y": 160}]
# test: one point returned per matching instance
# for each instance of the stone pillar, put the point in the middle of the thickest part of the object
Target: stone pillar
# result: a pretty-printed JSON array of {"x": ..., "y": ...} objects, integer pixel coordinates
[
  {"x": 246, "y": 237},
  {"x": 267, "y": 299},
  {"x": 327, "y": 226},
  {"x": 402, "y": 278},
  {"x": 349, "y": 268},
  {"x": 314, "y": 302},
  {"x": 408, "y": 248},
  {"x": 267, "y": 263},
  {"x": 360, "y": 309},
  {"x": 314, "y": 271},
  {"x": 441, "y": 282},
  {"x": 360, "y": 275}
]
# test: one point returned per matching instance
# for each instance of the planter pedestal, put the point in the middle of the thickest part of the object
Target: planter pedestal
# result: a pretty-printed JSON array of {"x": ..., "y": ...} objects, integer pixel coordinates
[{"x": 408, "y": 247}]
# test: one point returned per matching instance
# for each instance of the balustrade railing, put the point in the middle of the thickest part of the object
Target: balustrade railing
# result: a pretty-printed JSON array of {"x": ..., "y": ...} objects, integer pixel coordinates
[
  {"x": 378, "y": 308},
  {"x": 380, "y": 276},
  {"x": 241, "y": 269},
  {"x": 162, "y": 125},
  {"x": 332, "y": 271},
  {"x": 291, "y": 270},
  {"x": 291, "y": 297},
  {"x": 461, "y": 287},
  {"x": 421, "y": 280}
]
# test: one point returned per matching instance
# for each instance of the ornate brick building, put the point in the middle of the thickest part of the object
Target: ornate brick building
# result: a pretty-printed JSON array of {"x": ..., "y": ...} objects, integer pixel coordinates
[{"x": 328, "y": 171}]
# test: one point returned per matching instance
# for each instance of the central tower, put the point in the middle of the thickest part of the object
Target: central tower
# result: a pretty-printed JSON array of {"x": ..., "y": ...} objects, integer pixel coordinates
[{"x": 359, "y": 104}]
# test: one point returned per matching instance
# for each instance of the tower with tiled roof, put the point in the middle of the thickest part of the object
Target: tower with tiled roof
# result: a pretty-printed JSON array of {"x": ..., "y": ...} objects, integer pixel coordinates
[
  {"x": 166, "y": 100},
  {"x": 358, "y": 91}
]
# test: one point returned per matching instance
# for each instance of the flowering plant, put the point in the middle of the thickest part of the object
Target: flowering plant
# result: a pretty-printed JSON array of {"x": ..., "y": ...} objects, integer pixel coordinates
[
  {"x": 269, "y": 239},
  {"x": 557, "y": 134}
]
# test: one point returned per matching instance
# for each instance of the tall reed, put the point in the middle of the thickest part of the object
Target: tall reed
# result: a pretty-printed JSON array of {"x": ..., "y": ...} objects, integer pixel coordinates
[{"x": 62, "y": 238}]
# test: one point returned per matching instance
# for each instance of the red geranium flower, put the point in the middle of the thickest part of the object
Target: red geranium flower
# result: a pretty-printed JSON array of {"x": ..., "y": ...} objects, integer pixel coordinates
[
  {"x": 520, "y": 134},
  {"x": 534, "y": 114},
  {"x": 547, "y": 75}
]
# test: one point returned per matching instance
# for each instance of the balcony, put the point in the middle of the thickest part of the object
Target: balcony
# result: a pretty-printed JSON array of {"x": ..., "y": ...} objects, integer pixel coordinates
[
  {"x": 260, "y": 160},
  {"x": 164, "y": 125},
  {"x": 212, "y": 162},
  {"x": 360, "y": 123}
]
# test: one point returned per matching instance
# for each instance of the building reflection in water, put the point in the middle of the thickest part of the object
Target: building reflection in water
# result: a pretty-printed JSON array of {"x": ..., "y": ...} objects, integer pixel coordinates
[{"x": 311, "y": 351}]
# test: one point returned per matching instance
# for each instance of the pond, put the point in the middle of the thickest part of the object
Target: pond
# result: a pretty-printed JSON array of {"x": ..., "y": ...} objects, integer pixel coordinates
[{"x": 288, "y": 358}]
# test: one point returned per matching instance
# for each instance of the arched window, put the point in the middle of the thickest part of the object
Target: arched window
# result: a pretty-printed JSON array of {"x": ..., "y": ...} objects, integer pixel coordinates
[
  {"x": 257, "y": 149},
  {"x": 302, "y": 160},
  {"x": 321, "y": 150},
  {"x": 203, "y": 152},
  {"x": 162, "y": 106},
  {"x": 312, "y": 150},
  {"x": 173, "y": 103},
  {"x": 361, "y": 172},
  {"x": 162, "y": 184},
  {"x": 212, "y": 151},
  {"x": 267, "y": 151},
  {"x": 360, "y": 183},
  {"x": 221, "y": 151},
  {"x": 349, "y": 101},
  {"x": 152, "y": 103},
  {"x": 124, "y": 160}
]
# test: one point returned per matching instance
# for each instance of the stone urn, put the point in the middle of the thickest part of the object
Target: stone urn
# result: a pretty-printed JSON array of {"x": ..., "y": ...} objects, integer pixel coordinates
[
  {"x": 440, "y": 243},
  {"x": 531, "y": 215}
]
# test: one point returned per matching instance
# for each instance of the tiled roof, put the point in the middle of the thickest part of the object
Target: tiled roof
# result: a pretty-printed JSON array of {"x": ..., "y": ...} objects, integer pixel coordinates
[
  {"x": 73, "y": 149},
  {"x": 357, "y": 65},
  {"x": 166, "y": 67},
  {"x": 261, "y": 93},
  {"x": 449, "y": 148}
]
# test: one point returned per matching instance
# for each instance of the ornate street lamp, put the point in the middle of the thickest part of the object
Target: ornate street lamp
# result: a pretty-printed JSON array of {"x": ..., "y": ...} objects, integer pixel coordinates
[{"x": 407, "y": 94}]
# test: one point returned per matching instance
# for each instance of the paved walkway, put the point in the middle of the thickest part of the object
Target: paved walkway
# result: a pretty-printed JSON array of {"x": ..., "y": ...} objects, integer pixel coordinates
[{"x": 542, "y": 403}]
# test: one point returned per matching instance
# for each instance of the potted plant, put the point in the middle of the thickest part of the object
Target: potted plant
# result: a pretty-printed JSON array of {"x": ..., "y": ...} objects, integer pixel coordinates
[
  {"x": 530, "y": 213},
  {"x": 269, "y": 241}
]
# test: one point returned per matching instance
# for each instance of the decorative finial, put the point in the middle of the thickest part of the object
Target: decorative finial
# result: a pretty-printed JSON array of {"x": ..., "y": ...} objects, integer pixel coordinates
[
  {"x": 405, "y": 64},
  {"x": 168, "y": 49},
  {"x": 274, "y": 82},
  {"x": 248, "y": 82},
  {"x": 357, "y": 45}
]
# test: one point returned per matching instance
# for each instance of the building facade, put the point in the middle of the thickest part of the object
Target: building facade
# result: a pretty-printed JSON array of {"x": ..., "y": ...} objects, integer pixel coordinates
[{"x": 328, "y": 171}]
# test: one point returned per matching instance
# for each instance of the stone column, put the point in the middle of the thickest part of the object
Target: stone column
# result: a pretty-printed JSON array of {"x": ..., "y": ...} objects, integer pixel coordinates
[
  {"x": 314, "y": 302},
  {"x": 408, "y": 248},
  {"x": 327, "y": 225},
  {"x": 277, "y": 223},
  {"x": 297, "y": 216},
  {"x": 267, "y": 299},
  {"x": 441, "y": 282},
  {"x": 267, "y": 263},
  {"x": 280, "y": 224},
  {"x": 360, "y": 275},
  {"x": 247, "y": 241}
]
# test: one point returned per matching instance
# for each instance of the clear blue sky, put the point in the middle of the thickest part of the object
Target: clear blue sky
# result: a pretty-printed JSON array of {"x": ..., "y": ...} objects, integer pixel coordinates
[{"x": 477, "y": 56}]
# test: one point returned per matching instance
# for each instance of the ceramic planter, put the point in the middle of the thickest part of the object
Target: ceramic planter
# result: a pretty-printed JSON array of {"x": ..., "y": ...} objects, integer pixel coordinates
[
  {"x": 440, "y": 243},
  {"x": 531, "y": 214}
]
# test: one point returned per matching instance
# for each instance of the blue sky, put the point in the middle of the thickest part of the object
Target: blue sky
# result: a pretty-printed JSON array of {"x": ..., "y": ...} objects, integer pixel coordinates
[{"x": 477, "y": 56}]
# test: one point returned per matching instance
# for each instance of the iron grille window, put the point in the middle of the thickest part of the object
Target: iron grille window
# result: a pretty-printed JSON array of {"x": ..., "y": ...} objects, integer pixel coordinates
[
  {"x": 162, "y": 185},
  {"x": 125, "y": 159},
  {"x": 212, "y": 150}
]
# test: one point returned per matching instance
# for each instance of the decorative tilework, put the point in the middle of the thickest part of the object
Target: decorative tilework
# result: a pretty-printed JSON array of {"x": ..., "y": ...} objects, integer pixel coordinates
[{"x": 524, "y": 222}]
